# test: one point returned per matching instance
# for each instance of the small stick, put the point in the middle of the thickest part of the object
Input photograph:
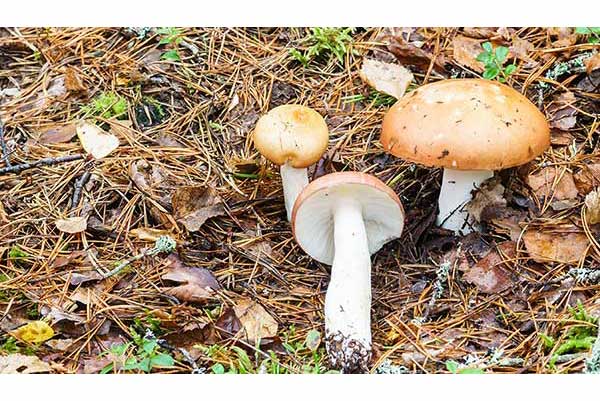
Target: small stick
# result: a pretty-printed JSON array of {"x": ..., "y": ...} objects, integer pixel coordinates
[
  {"x": 78, "y": 188},
  {"x": 47, "y": 161},
  {"x": 3, "y": 147},
  {"x": 164, "y": 243}
]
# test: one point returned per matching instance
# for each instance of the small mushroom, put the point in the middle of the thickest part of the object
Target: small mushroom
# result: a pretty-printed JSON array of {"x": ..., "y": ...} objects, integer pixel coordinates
[
  {"x": 294, "y": 137},
  {"x": 341, "y": 219},
  {"x": 470, "y": 127}
]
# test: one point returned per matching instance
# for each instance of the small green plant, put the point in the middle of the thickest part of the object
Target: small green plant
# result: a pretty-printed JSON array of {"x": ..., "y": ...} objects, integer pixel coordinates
[
  {"x": 17, "y": 255},
  {"x": 145, "y": 357},
  {"x": 311, "y": 358},
  {"x": 173, "y": 37},
  {"x": 323, "y": 41},
  {"x": 106, "y": 105},
  {"x": 147, "y": 322},
  {"x": 10, "y": 346},
  {"x": 579, "y": 337},
  {"x": 593, "y": 33},
  {"x": 455, "y": 367},
  {"x": 494, "y": 62}
]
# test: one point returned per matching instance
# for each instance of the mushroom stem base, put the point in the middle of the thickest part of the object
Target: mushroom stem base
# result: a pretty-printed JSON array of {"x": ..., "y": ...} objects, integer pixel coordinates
[
  {"x": 293, "y": 181},
  {"x": 347, "y": 354},
  {"x": 455, "y": 194},
  {"x": 348, "y": 299}
]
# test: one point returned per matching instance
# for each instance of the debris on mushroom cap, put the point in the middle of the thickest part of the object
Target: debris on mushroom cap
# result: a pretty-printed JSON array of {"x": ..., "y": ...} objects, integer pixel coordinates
[
  {"x": 291, "y": 134},
  {"x": 312, "y": 222},
  {"x": 465, "y": 124}
]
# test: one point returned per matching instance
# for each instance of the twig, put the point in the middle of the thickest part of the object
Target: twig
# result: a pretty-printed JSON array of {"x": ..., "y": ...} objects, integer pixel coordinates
[
  {"x": 3, "y": 147},
  {"x": 48, "y": 161},
  {"x": 164, "y": 243},
  {"x": 78, "y": 188}
]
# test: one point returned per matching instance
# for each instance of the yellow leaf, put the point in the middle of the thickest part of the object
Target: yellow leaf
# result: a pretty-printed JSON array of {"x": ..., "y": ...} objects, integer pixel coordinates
[
  {"x": 148, "y": 234},
  {"x": 72, "y": 225},
  {"x": 96, "y": 141},
  {"x": 34, "y": 332}
]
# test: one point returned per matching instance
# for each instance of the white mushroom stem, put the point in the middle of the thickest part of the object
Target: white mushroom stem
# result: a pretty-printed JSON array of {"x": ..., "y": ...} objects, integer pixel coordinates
[
  {"x": 454, "y": 196},
  {"x": 293, "y": 181},
  {"x": 348, "y": 299}
]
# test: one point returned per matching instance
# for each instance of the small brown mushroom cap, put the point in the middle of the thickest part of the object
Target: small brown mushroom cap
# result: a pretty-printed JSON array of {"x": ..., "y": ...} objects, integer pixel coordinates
[
  {"x": 465, "y": 124},
  {"x": 312, "y": 217},
  {"x": 291, "y": 134}
]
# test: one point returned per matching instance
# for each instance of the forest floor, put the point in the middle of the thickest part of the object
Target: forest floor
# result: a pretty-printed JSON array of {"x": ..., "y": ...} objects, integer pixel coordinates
[{"x": 169, "y": 114}]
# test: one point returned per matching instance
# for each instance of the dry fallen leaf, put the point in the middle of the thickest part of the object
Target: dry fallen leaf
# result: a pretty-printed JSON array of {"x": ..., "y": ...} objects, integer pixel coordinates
[
  {"x": 72, "y": 225},
  {"x": 148, "y": 234},
  {"x": 193, "y": 205},
  {"x": 195, "y": 284},
  {"x": 490, "y": 274},
  {"x": 73, "y": 82},
  {"x": 592, "y": 205},
  {"x": 58, "y": 134},
  {"x": 592, "y": 63},
  {"x": 96, "y": 141},
  {"x": 146, "y": 176},
  {"x": 566, "y": 36},
  {"x": 544, "y": 186},
  {"x": 521, "y": 48},
  {"x": 587, "y": 178},
  {"x": 490, "y": 195},
  {"x": 34, "y": 332},
  {"x": 409, "y": 54},
  {"x": 562, "y": 113},
  {"x": 563, "y": 247},
  {"x": 17, "y": 363},
  {"x": 391, "y": 79},
  {"x": 84, "y": 277},
  {"x": 465, "y": 51},
  {"x": 256, "y": 322}
]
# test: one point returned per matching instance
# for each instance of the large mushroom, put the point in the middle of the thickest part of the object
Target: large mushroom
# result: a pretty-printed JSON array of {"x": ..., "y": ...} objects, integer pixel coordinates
[
  {"x": 294, "y": 137},
  {"x": 341, "y": 219},
  {"x": 470, "y": 127}
]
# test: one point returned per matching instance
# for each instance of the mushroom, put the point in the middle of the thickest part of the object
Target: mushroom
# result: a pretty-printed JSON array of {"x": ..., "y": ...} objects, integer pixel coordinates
[
  {"x": 470, "y": 127},
  {"x": 294, "y": 137},
  {"x": 341, "y": 219}
]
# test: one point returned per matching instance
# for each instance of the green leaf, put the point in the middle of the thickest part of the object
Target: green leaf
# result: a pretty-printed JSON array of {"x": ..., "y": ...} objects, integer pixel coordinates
[
  {"x": 108, "y": 368},
  {"x": 583, "y": 30},
  {"x": 171, "y": 55},
  {"x": 130, "y": 363},
  {"x": 313, "y": 339},
  {"x": 165, "y": 41},
  {"x": 145, "y": 365},
  {"x": 218, "y": 369},
  {"x": 162, "y": 360},
  {"x": 547, "y": 340},
  {"x": 510, "y": 69},
  {"x": 501, "y": 54},
  {"x": 149, "y": 346},
  {"x": 471, "y": 371},
  {"x": 491, "y": 72},
  {"x": 487, "y": 46},
  {"x": 484, "y": 57},
  {"x": 452, "y": 366}
]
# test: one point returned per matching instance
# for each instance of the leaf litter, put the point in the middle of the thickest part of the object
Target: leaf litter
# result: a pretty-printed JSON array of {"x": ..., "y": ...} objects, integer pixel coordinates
[{"x": 178, "y": 162}]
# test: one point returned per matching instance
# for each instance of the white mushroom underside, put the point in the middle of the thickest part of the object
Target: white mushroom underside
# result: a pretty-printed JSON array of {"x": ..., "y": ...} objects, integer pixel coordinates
[
  {"x": 454, "y": 196},
  {"x": 382, "y": 217},
  {"x": 293, "y": 181}
]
